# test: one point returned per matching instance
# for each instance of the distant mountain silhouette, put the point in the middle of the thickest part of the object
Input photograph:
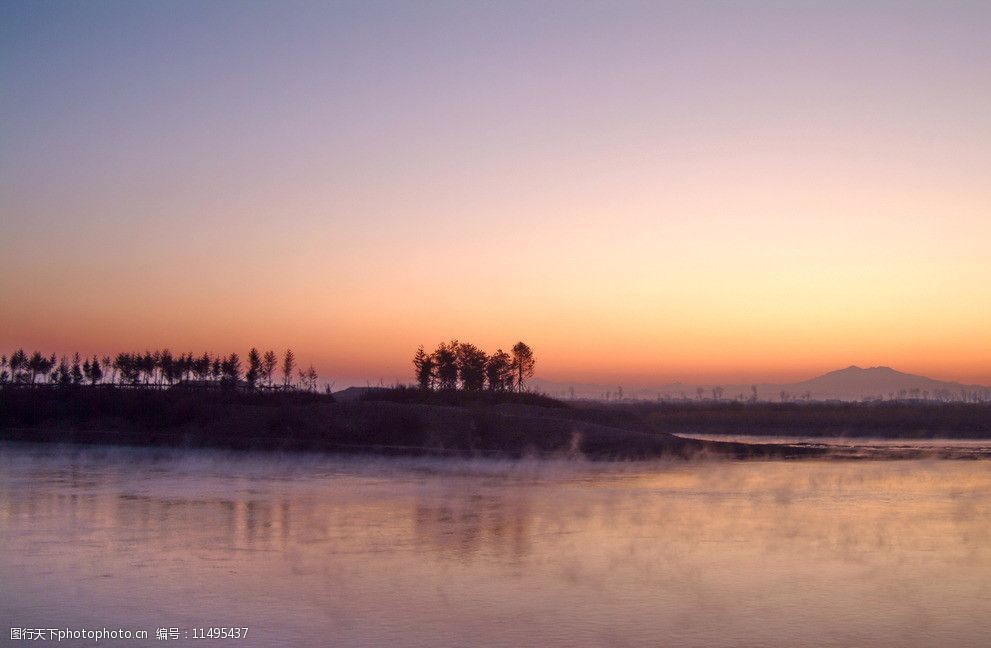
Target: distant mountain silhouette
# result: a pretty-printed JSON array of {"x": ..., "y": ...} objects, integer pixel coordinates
[
  {"x": 855, "y": 383},
  {"x": 851, "y": 383}
]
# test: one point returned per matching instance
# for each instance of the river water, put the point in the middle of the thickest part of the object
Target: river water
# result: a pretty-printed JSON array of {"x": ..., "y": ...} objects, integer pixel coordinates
[{"x": 330, "y": 551}]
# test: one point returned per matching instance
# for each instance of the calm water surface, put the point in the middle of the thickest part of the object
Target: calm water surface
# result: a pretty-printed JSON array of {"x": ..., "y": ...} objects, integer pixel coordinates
[{"x": 310, "y": 550}]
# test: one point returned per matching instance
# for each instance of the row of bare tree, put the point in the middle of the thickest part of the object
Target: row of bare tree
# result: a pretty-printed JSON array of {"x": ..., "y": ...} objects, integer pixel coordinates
[
  {"x": 462, "y": 365},
  {"x": 159, "y": 369}
]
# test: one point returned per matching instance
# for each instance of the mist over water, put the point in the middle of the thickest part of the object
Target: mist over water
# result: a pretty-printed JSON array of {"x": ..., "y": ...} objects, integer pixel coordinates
[{"x": 315, "y": 550}]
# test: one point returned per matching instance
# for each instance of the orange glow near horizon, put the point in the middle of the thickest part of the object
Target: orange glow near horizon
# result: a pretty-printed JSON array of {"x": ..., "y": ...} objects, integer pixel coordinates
[{"x": 641, "y": 207}]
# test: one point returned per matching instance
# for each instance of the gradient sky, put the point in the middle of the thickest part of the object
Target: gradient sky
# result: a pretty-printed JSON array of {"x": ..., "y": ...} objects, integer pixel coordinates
[{"x": 644, "y": 192}]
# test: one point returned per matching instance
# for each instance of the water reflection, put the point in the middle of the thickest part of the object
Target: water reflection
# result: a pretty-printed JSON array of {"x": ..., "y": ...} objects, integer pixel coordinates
[
  {"x": 461, "y": 527},
  {"x": 370, "y": 552}
]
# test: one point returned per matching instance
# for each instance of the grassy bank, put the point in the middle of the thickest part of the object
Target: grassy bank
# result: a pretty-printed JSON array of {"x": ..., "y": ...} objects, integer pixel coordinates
[{"x": 505, "y": 425}]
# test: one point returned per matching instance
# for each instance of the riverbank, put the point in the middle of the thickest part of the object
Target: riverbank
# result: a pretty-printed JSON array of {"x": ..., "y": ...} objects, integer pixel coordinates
[
  {"x": 511, "y": 426},
  {"x": 410, "y": 422}
]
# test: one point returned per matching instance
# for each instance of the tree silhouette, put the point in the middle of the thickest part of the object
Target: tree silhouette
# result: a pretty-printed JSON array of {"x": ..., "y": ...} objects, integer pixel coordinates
[
  {"x": 77, "y": 371},
  {"x": 146, "y": 367},
  {"x": 36, "y": 365},
  {"x": 308, "y": 379},
  {"x": 471, "y": 363},
  {"x": 499, "y": 371},
  {"x": 18, "y": 363},
  {"x": 47, "y": 364},
  {"x": 150, "y": 369},
  {"x": 151, "y": 363},
  {"x": 269, "y": 362},
  {"x": 522, "y": 364},
  {"x": 423, "y": 368},
  {"x": 186, "y": 363},
  {"x": 201, "y": 367},
  {"x": 93, "y": 371},
  {"x": 446, "y": 362},
  {"x": 230, "y": 367},
  {"x": 288, "y": 364},
  {"x": 121, "y": 365},
  {"x": 453, "y": 364},
  {"x": 254, "y": 368},
  {"x": 62, "y": 375},
  {"x": 139, "y": 364},
  {"x": 167, "y": 365}
]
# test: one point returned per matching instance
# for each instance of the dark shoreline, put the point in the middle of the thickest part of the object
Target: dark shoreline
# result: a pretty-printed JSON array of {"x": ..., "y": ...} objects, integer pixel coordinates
[
  {"x": 509, "y": 426},
  {"x": 458, "y": 424},
  {"x": 589, "y": 442}
]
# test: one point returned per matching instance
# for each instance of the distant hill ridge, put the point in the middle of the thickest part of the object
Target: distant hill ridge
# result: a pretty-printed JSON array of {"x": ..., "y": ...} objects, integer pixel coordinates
[{"x": 850, "y": 383}]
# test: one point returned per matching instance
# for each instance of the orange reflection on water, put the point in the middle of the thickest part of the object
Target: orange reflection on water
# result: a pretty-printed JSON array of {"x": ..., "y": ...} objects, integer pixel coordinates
[{"x": 373, "y": 552}]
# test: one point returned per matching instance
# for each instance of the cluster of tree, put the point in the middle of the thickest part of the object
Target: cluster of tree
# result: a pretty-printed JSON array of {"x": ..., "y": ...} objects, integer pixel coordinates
[
  {"x": 159, "y": 369},
  {"x": 940, "y": 395},
  {"x": 462, "y": 365}
]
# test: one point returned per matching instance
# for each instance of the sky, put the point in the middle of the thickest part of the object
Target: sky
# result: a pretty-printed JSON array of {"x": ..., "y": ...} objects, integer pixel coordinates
[{"x": 643, "y": 192}]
